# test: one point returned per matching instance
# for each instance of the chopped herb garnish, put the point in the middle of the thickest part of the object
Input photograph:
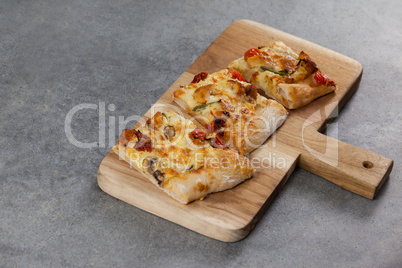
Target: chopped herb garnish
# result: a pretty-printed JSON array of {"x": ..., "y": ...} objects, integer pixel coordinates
[{"x": 165, "y": 116}]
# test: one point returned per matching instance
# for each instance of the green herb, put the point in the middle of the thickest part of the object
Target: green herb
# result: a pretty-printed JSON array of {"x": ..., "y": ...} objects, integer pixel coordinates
[
  {"x": 281, "y": 72},
  {"x": 165, "y": 116},
  {"x": 203, "y": 106}
]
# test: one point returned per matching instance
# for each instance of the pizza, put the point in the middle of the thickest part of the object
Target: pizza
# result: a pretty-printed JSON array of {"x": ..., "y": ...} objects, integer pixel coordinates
[
  {"x": 181, "y": 159},
  {"x": 293, "y": 80},
  {"x": 187, "y": 162},
  {"x": 226, "y": 105}
]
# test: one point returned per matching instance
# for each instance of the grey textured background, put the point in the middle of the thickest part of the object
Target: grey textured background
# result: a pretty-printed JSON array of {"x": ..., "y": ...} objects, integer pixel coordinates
[{"x": 58, "y": 54}]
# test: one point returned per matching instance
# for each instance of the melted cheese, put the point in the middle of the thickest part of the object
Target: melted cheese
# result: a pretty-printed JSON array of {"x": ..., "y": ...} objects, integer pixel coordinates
[
  {"x": 226, "y": 95},
  {"x": 174, "y": 156}
]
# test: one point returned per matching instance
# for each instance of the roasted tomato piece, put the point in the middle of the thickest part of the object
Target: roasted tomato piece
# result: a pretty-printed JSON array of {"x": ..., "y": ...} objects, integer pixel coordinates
[
  {"x": 237, "y": 75},
  {"x": 199, "y": 77},
  {"x": 198, "y": 136},
  {"x": 320, "y": 78},
  {"x": 251, "y": 53}
]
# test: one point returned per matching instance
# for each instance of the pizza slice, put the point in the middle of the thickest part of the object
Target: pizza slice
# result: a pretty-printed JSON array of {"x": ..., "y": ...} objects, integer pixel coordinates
[
  {"x": 293, "y": 80},
  {"x": 181, "y": 159},
  {"x": 226, "y": 105}
]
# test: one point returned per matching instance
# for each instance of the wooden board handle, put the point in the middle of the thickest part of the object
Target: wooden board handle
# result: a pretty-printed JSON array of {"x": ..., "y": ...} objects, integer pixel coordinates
[{"x": 352, "y": 168}]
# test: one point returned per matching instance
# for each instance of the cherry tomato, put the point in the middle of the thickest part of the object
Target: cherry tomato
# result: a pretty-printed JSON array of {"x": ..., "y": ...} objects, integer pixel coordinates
[
  {"x": 251, "y": 52},
  {"x": 320, "y": 78},
  {"x": 237, "y": 75}
]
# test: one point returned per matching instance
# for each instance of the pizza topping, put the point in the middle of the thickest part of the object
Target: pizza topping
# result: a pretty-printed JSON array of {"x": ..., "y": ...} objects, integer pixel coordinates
[
  {"x": 322, "y": 79},
  {"x": 158, "y": 119},
  {"x": 203, "y": 106},
  {"x": 251, "y": 53},
  {"x": 199, "y": 77},
  {"x": 288, "y": 63},
  {"x": 201, "y": 94},
  {"x": 237, "y": 87},
  {"x": 226, "y": 113},
  {"x": 224, "y": 135},
  {"x": 219, "y": 122},
  {"x": 156, "y": 122},
  {"x": 146, "y": 163},
  {"x": 198, "y": 136},
  {"x": 126, "y": 136},
  {"x": 169, "y": 132},
  {"x": 150, "y": 165},
  {"x": 158, "y": 175},
  {"x": 144, "y": 142},
  {"x": 281, "y": 72},
  {"x": 237, "y": 75},
  {"x": 148, "y": 122},
  {"x": 251, "y": 92},
  {"x": 217, "y": 143},
  {"x": 178, "y": 93}
]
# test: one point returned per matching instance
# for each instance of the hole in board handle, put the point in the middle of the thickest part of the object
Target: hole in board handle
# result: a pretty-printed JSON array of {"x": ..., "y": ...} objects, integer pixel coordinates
[{"x": 368, "y": 164}]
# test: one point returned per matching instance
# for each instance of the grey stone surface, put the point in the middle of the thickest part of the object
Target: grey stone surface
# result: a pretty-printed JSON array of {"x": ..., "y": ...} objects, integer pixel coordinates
[{"x": 55, "y": 55}]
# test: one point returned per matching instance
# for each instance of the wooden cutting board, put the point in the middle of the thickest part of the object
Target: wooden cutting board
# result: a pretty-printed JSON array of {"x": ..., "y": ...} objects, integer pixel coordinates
[{"x": 230, "y": 215}]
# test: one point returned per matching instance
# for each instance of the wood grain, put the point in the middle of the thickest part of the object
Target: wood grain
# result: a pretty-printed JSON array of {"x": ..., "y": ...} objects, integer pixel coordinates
[{"x": 230, "y": 215}]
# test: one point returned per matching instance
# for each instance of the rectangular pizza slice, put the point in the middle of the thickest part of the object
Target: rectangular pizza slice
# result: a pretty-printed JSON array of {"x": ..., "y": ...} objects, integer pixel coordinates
[
  {"x": 226, "y": 105},
  {"x": 293, "y": 80},
  {"x": 181, "y": 159}
]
